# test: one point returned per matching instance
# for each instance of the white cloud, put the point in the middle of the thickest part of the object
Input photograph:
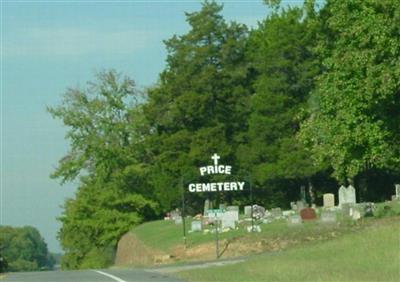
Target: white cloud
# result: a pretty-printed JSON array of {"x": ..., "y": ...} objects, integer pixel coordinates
[{"x": 75, "y": 42}]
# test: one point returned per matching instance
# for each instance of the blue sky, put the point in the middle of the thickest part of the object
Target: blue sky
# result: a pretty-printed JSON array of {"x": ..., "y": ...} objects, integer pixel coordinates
[{"x": 49, "y": 46}]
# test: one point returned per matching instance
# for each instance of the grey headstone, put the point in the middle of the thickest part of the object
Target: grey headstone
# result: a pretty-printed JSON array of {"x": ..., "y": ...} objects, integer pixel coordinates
[
  {"x": 342, "y": 195},
  {"x": 351, "y": 195},
  {"x": 294, "y": 219},
  {"x": 258, "y": 211},
  {"x": 328, "y": 217},
  {"x": 247, "y": 211},
  {"x": 175, "y": 214},
  {"x": 276, "y": 213},
  {"x": 206, "y": 207},
  {"x": 300, "y": 205},
  {"x": 329, "y": 200},
  {"x": 346, "y": 209},
  {"x": 196, "y": 226},
  {"x": 303, "y": 193},
  {"x": 229, "y": 219},
  {"x": 232, "y": 208},
  {"x": 178, "y": 220},
  {"x": 397, "y": 189}
]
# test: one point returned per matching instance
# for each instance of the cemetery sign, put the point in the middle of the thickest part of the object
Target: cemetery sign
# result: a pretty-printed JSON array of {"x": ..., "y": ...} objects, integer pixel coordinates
[{"x": 216, "y": 186}]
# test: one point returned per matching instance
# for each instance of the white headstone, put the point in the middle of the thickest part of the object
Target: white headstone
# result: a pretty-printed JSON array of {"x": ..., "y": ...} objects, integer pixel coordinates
[
  {"x": 232, "y": 208},
  {"x": 247, "y": 210},
  {"x": 329, "y": 200},
  {"x": 294, "y": 219},
  {"x": 351, "y": 195},
  {"x": 397, "y": 186},
  {"x": 206, "y": 207},
  {"x": 196, "y": 226},
  {"x": 342, "y": 195},
  {"x": 229, "y": 219},
  {"x": 178, "y": 220},
  {"x": 328, "y": 217}
]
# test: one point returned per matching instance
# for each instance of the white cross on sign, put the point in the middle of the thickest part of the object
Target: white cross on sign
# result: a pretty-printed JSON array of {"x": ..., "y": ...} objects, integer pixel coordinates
[{"x": 215, "y": 157}]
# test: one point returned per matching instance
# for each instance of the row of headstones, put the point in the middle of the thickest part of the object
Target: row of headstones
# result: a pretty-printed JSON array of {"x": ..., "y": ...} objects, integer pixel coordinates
[
  {"x": 230, "y": 217},
  {"x": 348, "y": 196}
]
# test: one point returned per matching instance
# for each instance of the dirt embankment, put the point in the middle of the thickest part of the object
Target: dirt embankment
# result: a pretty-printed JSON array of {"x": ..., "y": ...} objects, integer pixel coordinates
[{"x": 132, "y": 251}]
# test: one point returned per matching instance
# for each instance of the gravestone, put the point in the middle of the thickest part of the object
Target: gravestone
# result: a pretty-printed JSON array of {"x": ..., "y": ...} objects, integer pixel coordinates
[
  {"x": 351, "y": 195},
  {"x": 347, "y": 195},
  {"x": 175, "y": 214},
  {"x": 276, "y": 213},
  {"x": 369, "y": 209},
  {"x": 258, "y": 211},
  {"x": 206, "y": 207},
  {"x": 397, "y": 194},
  {"x": 247, "y": 211},
  {"x": 303, "y": 193},
  {"x": 294, "y": 219},
  {"x": 342, "y": 195},
  {"x": 308, "y": 214},
  {"x": 229, "y": 219},
  {"x": 196, "y": 226},
  {"x": 288, "y": 213},
  {"x": 300, "y": 205},
  {"x": 232, "y": 208},
  {"x": 329, "y": 200},
  {"x": 328, "y": 217},
  {"x": 178, "y": 220},
  {"x": 355, "y": 214},
  {"x": 346, "y": 210}
]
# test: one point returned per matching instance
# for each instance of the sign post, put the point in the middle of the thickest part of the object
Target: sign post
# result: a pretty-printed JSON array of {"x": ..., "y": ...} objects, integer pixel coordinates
[
  {"x": 216, "y": 168},
  {"x": 183, "y": 213}
]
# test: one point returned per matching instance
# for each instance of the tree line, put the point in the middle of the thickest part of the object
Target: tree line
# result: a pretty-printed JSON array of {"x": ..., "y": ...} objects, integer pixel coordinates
[
  {"x": 23, "y": 249},
  {"x": 311, "y": 96}
]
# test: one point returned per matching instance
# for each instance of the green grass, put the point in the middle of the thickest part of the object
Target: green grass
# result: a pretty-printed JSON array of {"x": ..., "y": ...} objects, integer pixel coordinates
[
  {"x": 165, "y": 235},
  {"x": 371, "y": 254}
]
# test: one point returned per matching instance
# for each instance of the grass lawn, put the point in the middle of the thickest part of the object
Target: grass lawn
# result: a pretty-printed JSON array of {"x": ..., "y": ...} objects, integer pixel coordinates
[
  {"x": 165, "y": 235},
  {"x": 371, "y": 254}
]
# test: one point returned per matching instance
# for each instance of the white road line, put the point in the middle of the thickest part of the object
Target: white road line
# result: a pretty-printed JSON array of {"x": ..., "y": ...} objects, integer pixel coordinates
[{"x": 109, "y": 275}]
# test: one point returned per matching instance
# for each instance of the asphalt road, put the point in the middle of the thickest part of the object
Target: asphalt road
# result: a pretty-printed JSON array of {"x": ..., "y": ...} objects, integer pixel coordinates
[{"x": 109, "y": 275}]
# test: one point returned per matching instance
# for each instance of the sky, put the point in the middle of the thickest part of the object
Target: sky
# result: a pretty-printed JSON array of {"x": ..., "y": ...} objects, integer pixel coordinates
[{"x": 48, "y": 46}]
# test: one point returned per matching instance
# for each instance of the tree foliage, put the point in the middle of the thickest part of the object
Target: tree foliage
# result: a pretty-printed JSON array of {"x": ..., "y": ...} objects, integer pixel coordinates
[
  {"x": 354, "y": 109},
  {"x": 24, "y": 249},
  {"x": 106, "y": 155},
  {"x": 200, "y": 104},
  {"x": 306, "y": 94}
]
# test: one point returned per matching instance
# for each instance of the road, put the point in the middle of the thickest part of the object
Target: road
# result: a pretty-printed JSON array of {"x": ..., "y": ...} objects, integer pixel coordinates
[
  {"x": 108, "y": 275},
  {"x": 157, "y": 274}
]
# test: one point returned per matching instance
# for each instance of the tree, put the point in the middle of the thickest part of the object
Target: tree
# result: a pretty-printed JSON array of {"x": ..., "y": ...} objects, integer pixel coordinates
[
  {"x": 106, "y": 157},
  {"x": 354, "y": 115},
  {"x": 23, "y": 249},
  {"x": 200, "y": 104},
  {"x": 284, "y": 67}
]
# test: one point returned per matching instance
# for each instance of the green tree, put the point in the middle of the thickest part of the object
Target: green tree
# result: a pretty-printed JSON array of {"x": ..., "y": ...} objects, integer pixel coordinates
[
  {"x": 105, "y": 155},
  {"x": 354, "y": 115},
  {"x": 24, "y": 249},
  {"x": 200, "y": 104},
  {"x": 284, "y": 67}
]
